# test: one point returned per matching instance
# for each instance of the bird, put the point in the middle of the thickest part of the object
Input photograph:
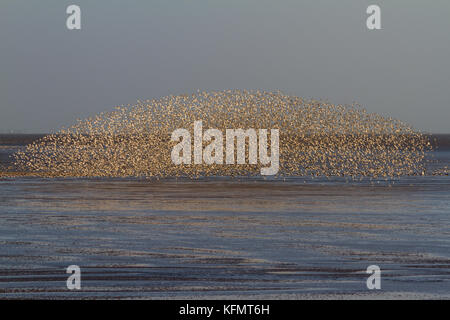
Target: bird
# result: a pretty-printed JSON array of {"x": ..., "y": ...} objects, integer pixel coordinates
[{"x": 317, "y": 138}]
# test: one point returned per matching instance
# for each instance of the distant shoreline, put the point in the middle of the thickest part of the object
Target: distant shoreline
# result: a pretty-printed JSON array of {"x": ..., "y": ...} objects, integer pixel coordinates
[{"x": 441, "y": 140}]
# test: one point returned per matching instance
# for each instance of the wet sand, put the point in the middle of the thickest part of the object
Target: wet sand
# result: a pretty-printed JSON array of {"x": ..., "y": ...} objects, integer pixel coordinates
[{"x": 250, "y": 239}]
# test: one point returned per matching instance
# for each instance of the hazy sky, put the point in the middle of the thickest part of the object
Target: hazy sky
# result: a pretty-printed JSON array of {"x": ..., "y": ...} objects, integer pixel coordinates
[{"x": 130, "y": 50}]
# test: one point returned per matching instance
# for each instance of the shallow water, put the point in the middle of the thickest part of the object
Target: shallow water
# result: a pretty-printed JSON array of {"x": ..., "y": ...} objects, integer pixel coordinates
[{"x": 224, "y": 237}]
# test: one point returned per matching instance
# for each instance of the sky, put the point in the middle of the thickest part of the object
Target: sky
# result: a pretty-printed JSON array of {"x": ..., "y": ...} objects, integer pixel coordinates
[{"x": 136, "y": 50}]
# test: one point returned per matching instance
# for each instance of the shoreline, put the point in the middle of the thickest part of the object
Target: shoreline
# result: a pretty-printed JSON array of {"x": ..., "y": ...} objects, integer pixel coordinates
[{"x": 445, "y": 171}]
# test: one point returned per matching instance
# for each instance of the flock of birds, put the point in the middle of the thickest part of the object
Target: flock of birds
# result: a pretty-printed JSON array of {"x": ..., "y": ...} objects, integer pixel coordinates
[{"x": 317, "y": 138}]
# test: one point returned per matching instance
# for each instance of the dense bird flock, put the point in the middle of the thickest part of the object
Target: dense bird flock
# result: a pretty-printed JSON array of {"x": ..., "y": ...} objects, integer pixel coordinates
[{"x": 317, "y": 138}]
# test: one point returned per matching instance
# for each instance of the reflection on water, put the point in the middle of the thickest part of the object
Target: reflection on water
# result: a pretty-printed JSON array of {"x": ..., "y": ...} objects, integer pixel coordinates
[{"x": 222, "y": 237}]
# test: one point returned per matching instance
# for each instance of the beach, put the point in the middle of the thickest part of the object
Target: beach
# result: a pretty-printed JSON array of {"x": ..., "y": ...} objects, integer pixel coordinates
[{"x": 224, "y": 238}]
